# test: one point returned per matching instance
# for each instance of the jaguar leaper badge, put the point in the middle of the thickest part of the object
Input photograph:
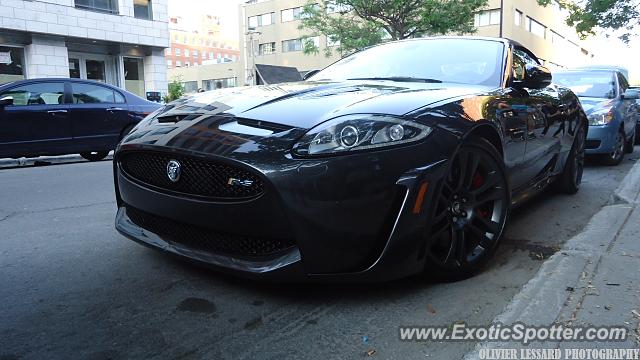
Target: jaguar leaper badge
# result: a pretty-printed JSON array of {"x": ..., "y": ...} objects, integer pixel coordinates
[{"x": 173, "y": 170}]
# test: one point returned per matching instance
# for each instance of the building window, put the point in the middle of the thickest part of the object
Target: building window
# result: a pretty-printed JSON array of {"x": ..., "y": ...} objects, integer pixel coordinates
[
  {"x": 134, "y": 75},
  {"x": 489, "y": 17},
  {"x": 186, "y": 52},
  {"x": 556, "y": 38},
  {"x": 169, "y": 63},
  {"x": 11, "y": 64},
  {"x": 536, "y": 28},
  {"x": 214, "y": 84},
  {"x": 333, "y": 8},
  {"x": 262, "y": 20},
  {"x": 517, "y": 17},
  {"x": 291, "y": 45},
  {"x": 178, "y": 63},
  {"x": 211, "y": 55},
  {"x": 190, "y": 86},
  {"x": 195, "y": 53},
  {"x": 74, "y": 68},
  {"x": 332, "y": 40},
  {"x": 142, "y": 9},
  {"x": 108, "y": 6},
  {"x": 178, "y": 51},
  {"x": 290, "y": 14},
  {"x": 187, "y": 64},
  {"x": 266, "y": 48}
]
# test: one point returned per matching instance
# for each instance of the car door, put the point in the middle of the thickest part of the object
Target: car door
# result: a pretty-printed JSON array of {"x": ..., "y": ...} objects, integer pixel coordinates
[
  {"x": 627, "y": 106},
  {"x": 37, "y": 123},
  {"x": 540, "y": 110},
  {"x": 98, "y": 115}
]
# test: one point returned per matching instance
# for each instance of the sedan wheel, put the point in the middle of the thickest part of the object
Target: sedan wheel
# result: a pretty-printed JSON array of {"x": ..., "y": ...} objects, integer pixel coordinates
[
  {"x": 470, "y": 213},
  {"x": 571, "y": 178},
  {"x": 615, "y": 157},
  {"x": 95, "y": 155}
]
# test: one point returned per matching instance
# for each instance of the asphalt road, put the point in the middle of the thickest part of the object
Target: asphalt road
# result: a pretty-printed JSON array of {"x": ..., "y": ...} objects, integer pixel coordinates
[{"x": 71, "y": 287}]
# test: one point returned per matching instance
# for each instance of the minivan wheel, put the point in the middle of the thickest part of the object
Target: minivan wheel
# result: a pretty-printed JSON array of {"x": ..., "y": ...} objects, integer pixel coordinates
[
  {"x": 94, "y": 155},
  {"x": 469, "y": 215},
  {"x": 617, "y": 154}
]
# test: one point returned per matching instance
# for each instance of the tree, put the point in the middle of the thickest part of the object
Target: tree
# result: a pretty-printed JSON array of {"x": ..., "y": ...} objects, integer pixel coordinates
[
  {"x": 588, "y": 15},
  {"x": 357, "y": 24},
  {"x": 176, "y": 90}
]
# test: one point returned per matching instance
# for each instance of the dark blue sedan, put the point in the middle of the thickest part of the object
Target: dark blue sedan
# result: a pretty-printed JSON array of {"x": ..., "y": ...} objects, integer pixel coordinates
[{"x": 66, "y": 116}]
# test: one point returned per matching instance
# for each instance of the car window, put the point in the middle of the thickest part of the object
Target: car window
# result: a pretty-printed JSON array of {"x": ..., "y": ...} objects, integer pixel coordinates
[
  {"x": 463, "y": 61},
  {"x": 119, "y": 98},
  {"x": 48, "y": 93},
  {"x": 518, "y": 67},
  {"x": 624, "y": 84},
  {"x": 597, "y": 84},
  {"x": 92, "y": 94}
]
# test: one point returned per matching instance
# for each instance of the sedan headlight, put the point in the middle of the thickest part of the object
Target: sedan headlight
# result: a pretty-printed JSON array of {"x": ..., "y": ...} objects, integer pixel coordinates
[
  {"x": 359, "y": 132},
  {"x": 601, "y": 117}
]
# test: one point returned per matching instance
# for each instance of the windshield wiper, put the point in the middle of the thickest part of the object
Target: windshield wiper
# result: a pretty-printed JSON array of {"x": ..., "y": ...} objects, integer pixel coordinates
[{"x": 400, "y": 79}]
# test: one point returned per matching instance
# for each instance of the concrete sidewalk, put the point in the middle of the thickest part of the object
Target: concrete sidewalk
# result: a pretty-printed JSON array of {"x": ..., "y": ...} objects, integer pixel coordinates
[{"x": 593, "y": 280}]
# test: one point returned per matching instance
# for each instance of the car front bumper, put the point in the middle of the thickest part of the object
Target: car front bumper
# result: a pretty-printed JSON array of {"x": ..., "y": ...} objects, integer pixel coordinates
[
  {"x": 358, "y": 217},
  {"x": 601, "y": 139}
]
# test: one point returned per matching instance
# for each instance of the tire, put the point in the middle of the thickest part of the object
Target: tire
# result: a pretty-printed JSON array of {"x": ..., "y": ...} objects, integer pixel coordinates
[
  {"x": 94, "y": 155},
  {"x": 616, "y": 156},
  {"x": 470, "y": 213},
  {"x": 569, "y": 181},
  {"x": 628, "y": 146}
]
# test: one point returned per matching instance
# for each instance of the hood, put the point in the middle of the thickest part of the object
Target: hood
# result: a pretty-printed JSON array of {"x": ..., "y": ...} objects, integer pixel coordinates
[
  {"x": 591, "y": 104},
  {"x": 306, "y": 104}
]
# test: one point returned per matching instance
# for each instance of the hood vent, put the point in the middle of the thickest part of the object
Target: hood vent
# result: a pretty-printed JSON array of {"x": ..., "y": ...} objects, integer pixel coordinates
[{"x": 174, "y": 118}]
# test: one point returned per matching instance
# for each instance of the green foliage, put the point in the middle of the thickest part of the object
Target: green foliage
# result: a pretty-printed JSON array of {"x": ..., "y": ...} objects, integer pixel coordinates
[
  {"x": 176, "y": 90},
  {"x": 362, "y": 23},
  {"x": 588, "y": 16}
]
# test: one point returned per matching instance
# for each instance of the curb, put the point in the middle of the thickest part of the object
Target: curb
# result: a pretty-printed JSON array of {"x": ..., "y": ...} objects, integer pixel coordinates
[
  {"x": 544, "y": 299},
  {"x": 62, "y": 159}
]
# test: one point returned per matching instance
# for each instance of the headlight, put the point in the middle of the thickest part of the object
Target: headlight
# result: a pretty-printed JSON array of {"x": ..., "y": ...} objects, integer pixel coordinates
[
  {"x": 359, "y": 132},
  {"x": 601, "y": 117}
]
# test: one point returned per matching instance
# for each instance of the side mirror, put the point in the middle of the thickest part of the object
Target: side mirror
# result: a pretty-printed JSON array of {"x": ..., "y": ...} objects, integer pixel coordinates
[
  {"x": 535, "y": 77},
  {"x": 631, "y": 94},
  {"x": 6, "y": 101},
  {"x": 310, "y": 74}
]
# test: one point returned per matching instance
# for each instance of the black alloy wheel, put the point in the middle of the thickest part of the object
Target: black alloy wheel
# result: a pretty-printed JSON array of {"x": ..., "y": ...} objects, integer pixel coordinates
[
  {"x": 615, "y": 157},
  {"x": 470, "y": 213},
  {"x": 94, "y": 155},
  {"x": 571, "y": 178}
]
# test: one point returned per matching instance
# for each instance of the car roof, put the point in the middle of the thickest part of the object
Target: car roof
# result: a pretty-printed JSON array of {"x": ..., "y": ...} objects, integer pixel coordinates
[{"x": 73, "y": 80}]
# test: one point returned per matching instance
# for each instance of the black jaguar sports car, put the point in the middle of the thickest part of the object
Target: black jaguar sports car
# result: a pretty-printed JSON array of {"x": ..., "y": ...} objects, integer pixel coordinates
[{"x": 403, "y": 158}]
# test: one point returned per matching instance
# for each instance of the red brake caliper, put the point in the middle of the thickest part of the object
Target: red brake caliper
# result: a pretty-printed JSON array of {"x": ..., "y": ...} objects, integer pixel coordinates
[{"x": 478, "y": 180}]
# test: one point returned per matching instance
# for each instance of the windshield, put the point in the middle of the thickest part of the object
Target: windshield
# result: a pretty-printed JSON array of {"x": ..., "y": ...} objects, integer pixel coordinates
[
  {"x": 464, "y": 61},
  {"x": 597, "y": 84}
]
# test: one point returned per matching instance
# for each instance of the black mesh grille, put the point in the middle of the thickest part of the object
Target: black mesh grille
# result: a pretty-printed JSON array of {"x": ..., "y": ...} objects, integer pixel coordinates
[
  {"x": 208, "y": 240},
  {"x": 198, "y": 176}
]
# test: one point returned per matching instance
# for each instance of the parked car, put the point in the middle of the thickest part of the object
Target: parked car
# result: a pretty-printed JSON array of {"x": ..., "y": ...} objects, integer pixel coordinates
[
  {"x": 401, "y": 159},
  {"x": 611, "y": 108},
  {"x": 637, "y": 90},
  {"x": 65, "y": 116}
]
